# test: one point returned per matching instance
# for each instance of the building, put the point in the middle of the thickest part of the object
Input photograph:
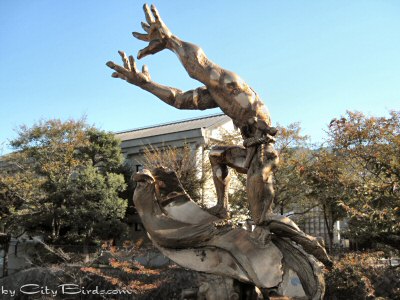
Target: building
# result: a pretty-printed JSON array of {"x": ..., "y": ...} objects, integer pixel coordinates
[
  {"x": 314, "y": 224},
  {"x": 197, "y": 133}
]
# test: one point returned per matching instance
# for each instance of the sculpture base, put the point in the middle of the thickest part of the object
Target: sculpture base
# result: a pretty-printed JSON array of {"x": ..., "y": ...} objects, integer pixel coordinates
[{"x": 196, "y": 240}]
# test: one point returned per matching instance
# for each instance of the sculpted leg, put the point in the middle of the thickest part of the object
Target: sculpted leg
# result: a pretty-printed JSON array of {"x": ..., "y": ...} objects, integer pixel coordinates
[
  {"x": 260, "y": 191},
  {"x": 221, "y": 179},
  {"x": 271, "y": 159},
  {"x": 260, "y": 194},
  {"x": 220, "y": 159}
]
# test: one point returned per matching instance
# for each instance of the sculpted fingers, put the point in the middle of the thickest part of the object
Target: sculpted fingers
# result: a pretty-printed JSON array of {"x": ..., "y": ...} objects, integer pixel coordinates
[
  {"x": 129, "y": 71},
  {"x": 147, "y": 13},
  {"x": 163, "y": 29},
  {"x": 145, "y": 72},
  {"x": 133, "y": 64},
  {"x": 142, "y": 53},
  {"x": 119, "y": 69},
  {"x": 119, "y": 75},
  {"x": 157, "y": 34},
  {"x": 153, "y": 47},
  {"x": 145, "y": 26},
  {"x": 125, "y": 60},
  {"x": 141, "y": 36},
  {"x": 156, "y": 14}
]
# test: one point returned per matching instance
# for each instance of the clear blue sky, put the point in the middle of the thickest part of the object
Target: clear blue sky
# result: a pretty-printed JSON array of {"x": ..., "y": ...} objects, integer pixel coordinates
[{"x": 309, "y": 60}]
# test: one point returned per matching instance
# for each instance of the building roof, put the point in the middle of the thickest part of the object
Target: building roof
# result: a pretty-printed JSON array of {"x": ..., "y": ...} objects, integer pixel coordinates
[{"x": 178, "y": 126}]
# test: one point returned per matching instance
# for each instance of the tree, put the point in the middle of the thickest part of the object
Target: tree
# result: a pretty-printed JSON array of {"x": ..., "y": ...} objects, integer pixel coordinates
[
  {"x": 326, "y": 186},
  {"x": 19, "y": 190},
  {"x": 294, "y": 156},
  {"x": 370, "y": 147},
  {"x": 183, "y": 161},
  {"x": 306, "y": 179},
  {"x": 62, "y": 181}
]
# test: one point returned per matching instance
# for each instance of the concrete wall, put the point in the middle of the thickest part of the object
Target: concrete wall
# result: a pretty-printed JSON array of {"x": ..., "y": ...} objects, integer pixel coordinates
[{"x": 19, "y": 254}]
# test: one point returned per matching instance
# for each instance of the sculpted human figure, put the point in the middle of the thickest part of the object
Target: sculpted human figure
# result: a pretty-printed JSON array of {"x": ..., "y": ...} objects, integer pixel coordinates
[
  {"x": 196, "y": 239},
  {"x": 223, "y": 89}
]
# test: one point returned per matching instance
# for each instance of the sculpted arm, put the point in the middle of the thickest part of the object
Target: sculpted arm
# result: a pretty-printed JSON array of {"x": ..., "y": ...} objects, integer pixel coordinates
[
  {"x": 233, "y": 95},
  {"x": 222, "y": 89},
  {"x": 191, "y": 56},
  {"x": 199, "y": 98},
  {"x": 157, "y": 35}
]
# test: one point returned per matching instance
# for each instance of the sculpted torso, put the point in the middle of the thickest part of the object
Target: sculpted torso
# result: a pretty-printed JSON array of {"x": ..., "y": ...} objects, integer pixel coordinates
[{"x": 237, "y": 100}]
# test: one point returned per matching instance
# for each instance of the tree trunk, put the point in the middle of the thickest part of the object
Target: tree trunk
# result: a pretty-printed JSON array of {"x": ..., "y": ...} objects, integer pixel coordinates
[
  {"x": 56, "y": 226},
  {"x": 5, "y": 244},
  {"x": 86, "y": 242},
  {"x": 390, "y": 240},
  {"x": 86, "y": 255},
  {"x": 329, "y": 227}
]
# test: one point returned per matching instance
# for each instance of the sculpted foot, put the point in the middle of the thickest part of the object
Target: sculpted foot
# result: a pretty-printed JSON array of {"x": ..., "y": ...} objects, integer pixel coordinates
[
  {"x": 262, "y": 235},
  {"x": 219, "y": 211},
  {"x": 266, "y": 218}
]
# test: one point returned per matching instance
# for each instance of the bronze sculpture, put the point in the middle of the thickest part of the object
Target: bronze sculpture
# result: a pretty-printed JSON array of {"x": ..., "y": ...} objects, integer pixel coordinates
[{"x": 256, "y": 158}]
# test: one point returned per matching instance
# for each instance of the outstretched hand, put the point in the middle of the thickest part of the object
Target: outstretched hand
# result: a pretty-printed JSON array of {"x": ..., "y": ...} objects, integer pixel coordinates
[
  {"x": 129, "y": 71},
  {"x": 157, "y": 33}
]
